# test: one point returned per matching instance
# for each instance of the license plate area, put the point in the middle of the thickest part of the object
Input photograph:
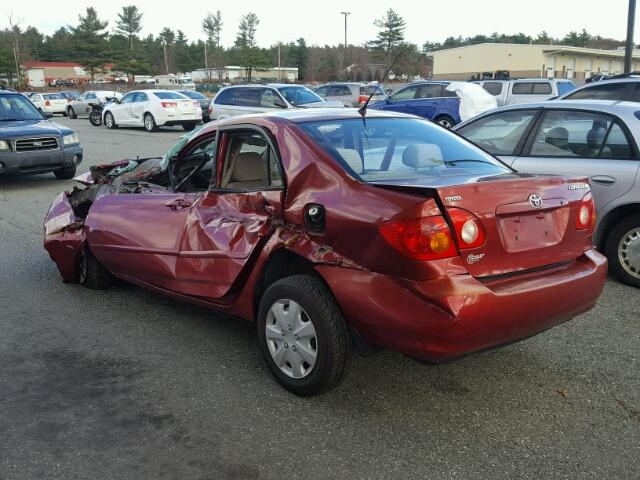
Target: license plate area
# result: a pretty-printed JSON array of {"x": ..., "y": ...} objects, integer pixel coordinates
[{"x": 531, "y": 230}]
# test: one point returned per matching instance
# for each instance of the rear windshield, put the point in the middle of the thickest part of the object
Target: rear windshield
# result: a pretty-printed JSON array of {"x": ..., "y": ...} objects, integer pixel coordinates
[
  {"x": 299, "y": 95},
  {"x": 194, "y": 95},
  {"x": 53, "y": 96},
  {"x": 368, "y": 89},
  {"x": 400, "y": 149},
  {"x": 169, "y": 95}
]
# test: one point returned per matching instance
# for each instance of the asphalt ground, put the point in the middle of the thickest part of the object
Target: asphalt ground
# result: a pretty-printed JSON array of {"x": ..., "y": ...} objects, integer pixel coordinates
[{"x": 127, "y": 384}]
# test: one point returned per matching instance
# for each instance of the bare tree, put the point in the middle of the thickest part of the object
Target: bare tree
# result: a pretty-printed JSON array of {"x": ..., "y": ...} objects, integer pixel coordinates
[
  {"x": 14, "y": 26},
  {"x": 314, "y": 62}
]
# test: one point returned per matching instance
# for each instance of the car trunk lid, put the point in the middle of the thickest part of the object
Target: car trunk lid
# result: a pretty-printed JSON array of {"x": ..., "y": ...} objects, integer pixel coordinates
[{"x": 529, "y": 221}]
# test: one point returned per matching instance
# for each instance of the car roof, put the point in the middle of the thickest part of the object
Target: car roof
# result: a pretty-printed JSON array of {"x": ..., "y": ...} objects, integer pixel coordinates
[{"x": 606, "y": 106}]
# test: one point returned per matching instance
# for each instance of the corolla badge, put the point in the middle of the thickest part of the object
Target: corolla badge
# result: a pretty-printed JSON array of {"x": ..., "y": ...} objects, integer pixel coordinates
[
  {"x": 474, "y": 258},
  {"x": 535, "y": 200}
]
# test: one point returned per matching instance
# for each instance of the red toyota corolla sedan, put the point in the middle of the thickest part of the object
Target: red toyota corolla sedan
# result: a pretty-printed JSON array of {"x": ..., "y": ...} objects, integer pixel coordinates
[{"x": 332, "y": 231}]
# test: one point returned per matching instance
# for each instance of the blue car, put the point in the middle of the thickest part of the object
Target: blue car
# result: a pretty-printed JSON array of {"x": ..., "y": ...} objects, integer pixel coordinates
[
  {"x": 30, "y": 143},
  {"x": 439, "y": 101}
]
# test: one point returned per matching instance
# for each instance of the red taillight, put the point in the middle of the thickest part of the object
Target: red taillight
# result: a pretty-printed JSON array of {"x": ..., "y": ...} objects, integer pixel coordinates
[
  {"x": 586, "y": 216},
  {"x": 210, "y": 109},
  {"x": 469, "y": 231},
  {"x": 47, "y": 103},
  {"x": 169, "y": 104},
  {"x": 362, "y": 99},
  {"x": 426, "y": 238}
]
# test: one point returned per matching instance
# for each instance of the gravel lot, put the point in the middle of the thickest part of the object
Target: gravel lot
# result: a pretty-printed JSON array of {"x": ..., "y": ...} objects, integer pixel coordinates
[{"x": 126, "y": 384}]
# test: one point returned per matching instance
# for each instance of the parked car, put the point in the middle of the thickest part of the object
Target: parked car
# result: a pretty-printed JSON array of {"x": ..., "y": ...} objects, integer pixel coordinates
[
  {"x": 63, "y": 82},
  {"x": 81, "y": 107},
  {"x": 331, "y": 230},
  {"x": 202, "y": 99},
  {"x": 351, "y": 94},
  {"x": 69, "y": 95},
  {"x": 50, "y": 102},
  {"x": 153, "y": 109},
  {"x": 597, "y": 139},
  {"x": 622, "y": 89},
  {"x": 509, "y": 92},
  {"x": 30, "y": 144},
  {"x": 243, "y": 99},
  {"x": 446, "y": 103}
]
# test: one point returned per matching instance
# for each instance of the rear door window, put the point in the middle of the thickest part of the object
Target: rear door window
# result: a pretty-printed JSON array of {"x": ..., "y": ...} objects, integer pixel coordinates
[
  {"x": 531, "y": 88},
  {"x": 566, "y": 133},
  {"x": 430, "y": 90},
  {"x": 226, "y": 97},
  {"x": 248, "y": 97}
]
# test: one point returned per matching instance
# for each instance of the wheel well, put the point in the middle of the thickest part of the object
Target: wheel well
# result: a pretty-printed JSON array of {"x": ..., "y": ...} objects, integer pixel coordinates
[
  {"x": 280, "y": 264},
  {"x": 611, "y": 219}
]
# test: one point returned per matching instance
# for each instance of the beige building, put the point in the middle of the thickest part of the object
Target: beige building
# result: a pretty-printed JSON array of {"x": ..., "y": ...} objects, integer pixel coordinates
[{"x": 524, "y": 60}]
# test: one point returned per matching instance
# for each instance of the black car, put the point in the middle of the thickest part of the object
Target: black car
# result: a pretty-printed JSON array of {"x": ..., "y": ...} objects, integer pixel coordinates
[
  {"x": 204, "y": 102},
  {"x": 30, "y": 143}
]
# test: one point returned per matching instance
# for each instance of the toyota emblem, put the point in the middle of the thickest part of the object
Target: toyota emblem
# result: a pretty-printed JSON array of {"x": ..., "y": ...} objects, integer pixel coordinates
[{"x": 535, "y": 200}]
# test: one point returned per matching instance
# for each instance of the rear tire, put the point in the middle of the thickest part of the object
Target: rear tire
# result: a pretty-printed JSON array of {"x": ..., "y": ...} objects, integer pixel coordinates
[
  {"x": 312, "y": 357},
  {"x": 188, "y": 126},
  {"x": 622, "y": 249},
  {"x": 109, "y": 121},
  {"x": 445, "y": 121},
  {"x": 92, "y": 274},
  {"x": 150, "y": 123},
  {"x": 66, "y": 173},
  {"x": 95, "y": 118}
]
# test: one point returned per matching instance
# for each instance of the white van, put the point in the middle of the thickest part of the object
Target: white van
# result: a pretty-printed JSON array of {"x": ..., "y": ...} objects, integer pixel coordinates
[
  {"x": 179, "y": 82},
  {"x": 509, "y": 92}
]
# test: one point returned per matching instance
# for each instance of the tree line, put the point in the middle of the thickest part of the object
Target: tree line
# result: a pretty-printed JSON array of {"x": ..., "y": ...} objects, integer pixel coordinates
[{"x": 92, "y": 43}]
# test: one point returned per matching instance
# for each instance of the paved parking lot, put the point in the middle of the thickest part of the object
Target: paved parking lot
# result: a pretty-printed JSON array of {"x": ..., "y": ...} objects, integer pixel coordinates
[{"x": 126, "y": 384}]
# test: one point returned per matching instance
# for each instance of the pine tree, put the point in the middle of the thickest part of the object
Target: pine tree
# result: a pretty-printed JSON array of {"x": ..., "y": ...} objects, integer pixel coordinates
[
  {"x": 391, "y": 34},
  {"x": 129, "y": 23},
  {"x": 249, "y": 55},
  {"x": 90, "y": 42}
]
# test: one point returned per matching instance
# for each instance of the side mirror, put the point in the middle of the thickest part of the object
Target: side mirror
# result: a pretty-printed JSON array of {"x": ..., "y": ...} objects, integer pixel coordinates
[{"x": 280, "y": 104}]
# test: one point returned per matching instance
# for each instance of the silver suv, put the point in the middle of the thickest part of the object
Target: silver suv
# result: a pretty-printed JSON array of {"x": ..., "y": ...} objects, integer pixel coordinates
[
  {"x": 351, "y": 94},
  {"x": 613, "y": 89},
  {"x": 596, "y": 139},
  {"x": 245, "y": 99}
]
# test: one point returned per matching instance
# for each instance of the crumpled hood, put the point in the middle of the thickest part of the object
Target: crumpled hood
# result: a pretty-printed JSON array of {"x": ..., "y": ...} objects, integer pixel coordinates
[
  {"x": 474, "y": 99},
  {"x": 22, "y": 128}
]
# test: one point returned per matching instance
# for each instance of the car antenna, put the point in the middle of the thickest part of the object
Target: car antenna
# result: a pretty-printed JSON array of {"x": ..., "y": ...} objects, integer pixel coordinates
[{"x": 363, "y": 109}]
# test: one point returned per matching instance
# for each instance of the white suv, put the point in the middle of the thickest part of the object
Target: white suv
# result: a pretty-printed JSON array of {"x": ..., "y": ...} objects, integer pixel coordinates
[{"x": 245, "y": 99}]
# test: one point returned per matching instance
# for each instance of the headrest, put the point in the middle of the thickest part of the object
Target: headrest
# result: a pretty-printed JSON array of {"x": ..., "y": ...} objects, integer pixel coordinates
[
  {"x": 557, "y": 136},
  {"x": 596, "y": 135},
  {"x": 421, "y": 155},
  {"x": 248, "y": 166}
]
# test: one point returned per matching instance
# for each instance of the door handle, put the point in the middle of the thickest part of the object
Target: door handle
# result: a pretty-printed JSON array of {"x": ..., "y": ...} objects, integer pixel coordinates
[
  {"x": 178, "y": 204},
  {"x": 603, "y": 179}
]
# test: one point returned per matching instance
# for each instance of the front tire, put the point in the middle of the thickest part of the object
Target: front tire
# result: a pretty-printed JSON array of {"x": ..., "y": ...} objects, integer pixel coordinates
[
  {"x": 150, "y": 123},
  {"x": 91, "y": 273},
  {"x": 66, "y": 173},
  {"x": 622, "y": 249},
  {"x": 188, "y": 126},
  {"x": 303, "y": 335},
  {"x": 109, "y": 121},
  {"x": 71, "y": 113}
]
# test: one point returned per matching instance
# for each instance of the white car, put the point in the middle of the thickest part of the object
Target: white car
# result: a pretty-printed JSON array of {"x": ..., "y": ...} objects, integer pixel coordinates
[
  {"x": 50, "y": 102},
  {"x": 245, "y": 99},
  {"x": 152, "y": 109}
]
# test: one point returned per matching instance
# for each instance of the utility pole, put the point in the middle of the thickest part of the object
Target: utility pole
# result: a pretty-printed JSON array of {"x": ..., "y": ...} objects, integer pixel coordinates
[
  {"x": 206, "y": 62},
  {"x": 346, "y": 14},
  {"x": 279, "y": 64},
  {"x": 166, "y": 63},
  {"x": 628, "y": 49}
]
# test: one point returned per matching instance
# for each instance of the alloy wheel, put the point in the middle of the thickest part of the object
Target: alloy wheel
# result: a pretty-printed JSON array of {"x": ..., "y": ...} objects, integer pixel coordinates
[
  {"x": 445, "y": 123},
  {"x": 291, "y": 338},
  {"x": 629, "y": 252}
]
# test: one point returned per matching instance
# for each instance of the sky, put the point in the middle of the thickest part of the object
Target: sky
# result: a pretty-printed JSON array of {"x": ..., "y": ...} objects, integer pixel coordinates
[{"x": 320, "y": 21}]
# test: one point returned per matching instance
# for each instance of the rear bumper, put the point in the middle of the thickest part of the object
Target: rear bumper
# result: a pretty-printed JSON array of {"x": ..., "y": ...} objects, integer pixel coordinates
[
  {"x": 179, "y": 119},
  {"x": 40, "y": 161},
  {"x": 448, "y": 317}
]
